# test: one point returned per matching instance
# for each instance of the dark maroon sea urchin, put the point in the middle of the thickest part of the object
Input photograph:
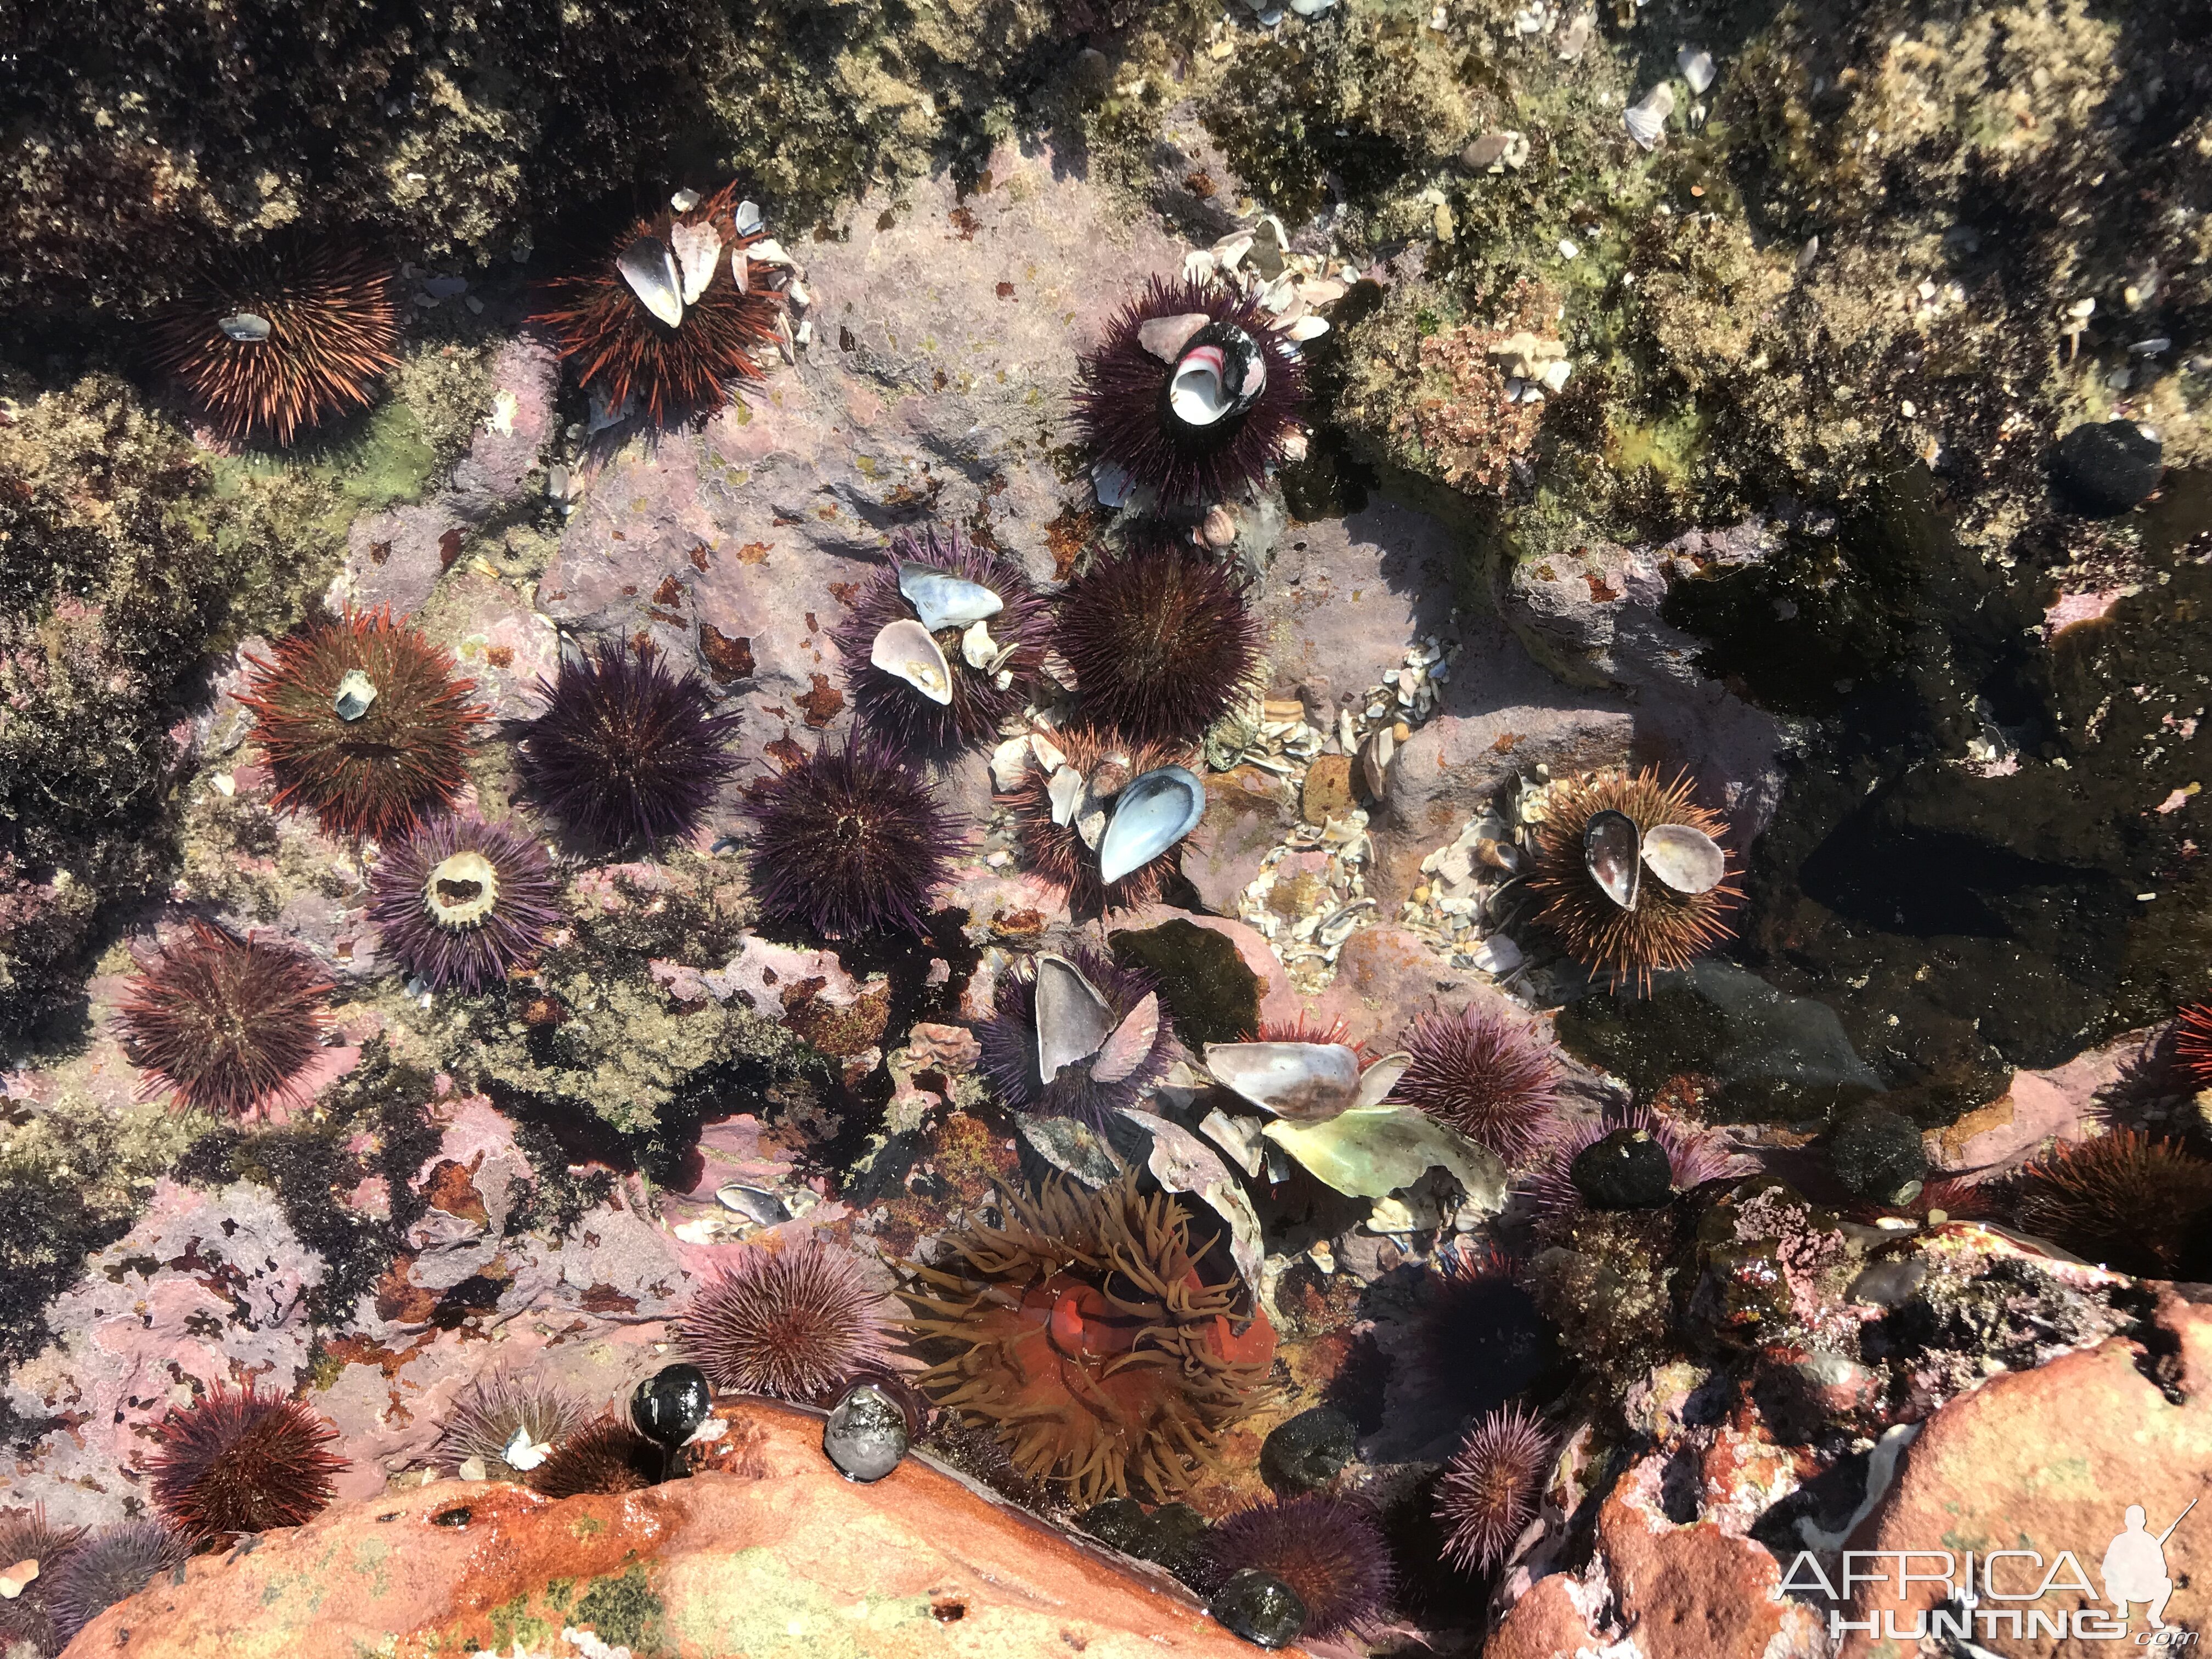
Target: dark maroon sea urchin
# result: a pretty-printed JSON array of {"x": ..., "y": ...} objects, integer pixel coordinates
[
  {"x": 460, "y": 901},
  {"x": 625, "y": 750},
  {"x": 1330, "y": 1550},
  {"x": 795, "y": 1323},
  {"x": 1489, "y": 1490},
  {"x": 890, "y": 708},
  {"x": 1009, "y": 1042},
  {"x": 1477, "y": 1339},
  {"x": 1161, "y": 641},
  {"x": 1217, "y": 342},
  {"x": 233, "y": 1462},
  {"x": 1494, "y": 1078},
  {"x": 228, "y": 1024},
  {"x": 849, "y": 841}
]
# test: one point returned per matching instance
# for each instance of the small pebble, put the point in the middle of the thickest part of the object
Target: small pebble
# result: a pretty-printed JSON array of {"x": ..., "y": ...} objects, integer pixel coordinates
[{"x": 866, "y": 1435}]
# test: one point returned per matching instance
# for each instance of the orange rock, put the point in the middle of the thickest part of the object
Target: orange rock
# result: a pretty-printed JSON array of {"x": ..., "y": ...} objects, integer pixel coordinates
[{"x": 767, "y": 1553}]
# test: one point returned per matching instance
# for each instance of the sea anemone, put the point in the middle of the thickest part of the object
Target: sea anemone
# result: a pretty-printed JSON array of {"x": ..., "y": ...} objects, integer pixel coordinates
[
  {"x": 1493, "y": 1077},
  {"x": 2192, "y": 1043},
  {"x": 989, "y": 674},
  {"x": 496, "y": 1411},
  {"x": 111, "y": 1567},
  {"x": 2139, "y": 1205},
  {"x": 1192, "y": 392},
  {"x": 1061, "y": 843},
  {"x": 605, "y": 1456},
  {"x": 1085, "y": 1334},
  {"x": 1330, "y": 1550},
  {"x": 1667, "y": 928},
  {"x": 233, "y": 1462},
  {"x": 1489, "y": 1490},
  {"x": 1085, "y": 1088},
  {"x": 281, "y": 338},
  {"x": 849, "y": 841},
  {"x": 680, "y": 351},
  {"x": 1477, "y": 1338},
  {"x": 363, "y": 724},
  {"x": 795, "y": 1323},
  {"x": 624, "y": 751},
  {"x": 1160, "y": 641},
  {"x": 31, "y": 1617},
  {"x": 227, "y": 1023},
  {"x": 1694, "y": 1156},
  {"x": 460, "y": 901}
]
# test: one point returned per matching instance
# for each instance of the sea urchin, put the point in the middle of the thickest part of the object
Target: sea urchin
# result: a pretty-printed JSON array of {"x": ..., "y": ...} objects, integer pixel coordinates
[
  {"x": 1695, "y": 1155},
  {"x": 794, "y": 1323},
  {"x": 2139, "y": 1205},
  {"x": 2192, "y": 1043},
  {"x": 849, "y": 841},
  {"x": 1493, "y": 1077},
  {"x": 1479, "y": 1340},
  {"x": 227, "y": 1023},
  {"x": 503, "y": 1421},
  {"x": 1062, "y": 802},
  {"x": 605, "y": 1456},
  {"x": 460, "y": 901},
  {"x": 363, "y": 724},
  {"x": 111, "y": 1567},
  {"x": 29, "y": 1616},
  {"x": 242, "y": 1462},
  {"x": 1330, "y": 1550},
  {"x": 1161, "y": 641},
  {"x": 1489, "y": 1490},
  {"x": 1091, "y": 1087}
]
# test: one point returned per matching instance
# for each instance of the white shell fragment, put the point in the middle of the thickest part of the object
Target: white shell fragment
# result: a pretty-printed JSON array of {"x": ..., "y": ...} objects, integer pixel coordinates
[
  {"x": 1072, "y": 1019},
  {"x": 685, "y": 200},
  {"x": 1166, "y": 336},
  {"x": 522, "y": 1454},
  {"x": 906, "y": 649},
  {"x": 1199, "y": 394},
  {"x": 737, "y": 272},
  {"x": 979, "y": 650},
  {"x": 1131, "y": 1042},
  {"x": 746, "y": 218},
  {"x": 697, "y": 249},
  {"x": 1696, "y": 67},
  {"x": 944, "y": 600},
  {"x": 1646, "y": 119},
  {"x": 1151, "y": 815},
  {"x": 1303, "y": 1080},
  {"x": 1378, "y": 1079},
  {"x": 245, "y": 327},
  {"x": 1065, "y": 789},
  {"x": 1308, "y": 327},
  {"x": 1688, "y": 860},
  {"x": 355, "y": 692},
  {"x": 1610, "y": 843},
  {"x": 650, "y": 269}
]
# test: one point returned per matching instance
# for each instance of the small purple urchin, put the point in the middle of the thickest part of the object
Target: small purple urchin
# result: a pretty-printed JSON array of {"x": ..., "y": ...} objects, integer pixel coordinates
[
  {"x": 795, "y": 1323},
  {"x": 1009, "y": 1042},
  {"x": 112, "y": 1567},
  {"x": 1489, "y": 1490},
  {"x": 1695, "y": 1156},
  {"x": 1160, "y": 640},
  {"x": 460, "y": 901},
  {"x": 849, "y": 841},
  {"x": 624, "y": 751},
  {"x": 1127, "y": 419},
  {"x": 29, "y": 1617},
  {"x": 889, "y": 708},
  {"x": 1494, "y": 1078},
  {"x": 1330, "y": 1550},
  {"x": 494, "y": 1411}
]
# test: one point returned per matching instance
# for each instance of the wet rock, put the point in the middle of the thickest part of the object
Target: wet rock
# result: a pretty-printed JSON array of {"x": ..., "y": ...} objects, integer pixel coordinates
[
  {"x": 1248, "y": 810},
  {"x": 1260, "y": 1607},
  {"x": 1306, "y": 1451},
  {"x": 1876, "y": 1154},
  {"x": 1627, "y": 1169},
  {"x": 866, "y": 1435},
  {"x": 2060, "y": 1103},
  {"x": 1172, "y": 1535},
  {"x": 1346, "y": 597},
  {"x": 1203, "y": 978},
  {"x": 2104, "y": 468},
  {"x": 1327, "y": 792}
]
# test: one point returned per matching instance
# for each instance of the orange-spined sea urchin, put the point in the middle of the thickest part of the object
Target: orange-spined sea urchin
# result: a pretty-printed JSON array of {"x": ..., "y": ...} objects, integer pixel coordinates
[
  {"x": 2139, "y": 1205},
  {"x": 363, "y": 723},
  {"x": 2192, "y": 1043},
  {"x": 279, "y": 340},
  {"x": 227, "y": 1023},
  {"x": 242, "y": 1462},
  {"x": 795, "y": 1323},
  {"x": 1083, "y": 1332}
]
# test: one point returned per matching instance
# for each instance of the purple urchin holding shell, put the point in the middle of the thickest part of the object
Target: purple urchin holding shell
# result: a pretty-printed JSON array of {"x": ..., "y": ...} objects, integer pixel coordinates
[
  {"x": 1489, "y": 1490},
  {"x": 111, "y": 1567},
  {"x": 849, "y": 841},
  {"x": 989, "y": 660},
  {"x": 1192, "y": 392},
  {"x": 1494, "y": 1078},
  {"x": 1694, "y": 1156},
  {"x": 1330, "y": 1550},
  {"x": 461, "y": 901},
  {"x": 1137, "y": 1044},
  {"x": 624, "y": 751}
]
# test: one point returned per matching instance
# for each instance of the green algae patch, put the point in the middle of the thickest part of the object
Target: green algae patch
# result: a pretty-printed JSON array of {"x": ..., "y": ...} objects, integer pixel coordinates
[
  {"x": 625, "y": 1613},
  {"x": 1215, "y": 997}
]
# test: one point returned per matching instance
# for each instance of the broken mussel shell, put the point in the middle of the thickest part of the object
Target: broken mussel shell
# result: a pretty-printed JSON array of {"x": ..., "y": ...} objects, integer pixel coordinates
[
  {"x": 907, "y": 650},
  {"x": 1221, "y": 373},
  {"x": 245, "y": 326},
  {"x": 1075, "y": 1024},
  {"x": 649, "y": 268},
  {"x": 944, "y": 600},
  {"x": 1688, "y": 860},
  {"x": 698, "y": 251},
  {"x": 355, "y": 692},
  {"x": 1154, "y": 813},
  {"x": 1306, "y": 1081},
  {"x": 1610, "y": 844}
]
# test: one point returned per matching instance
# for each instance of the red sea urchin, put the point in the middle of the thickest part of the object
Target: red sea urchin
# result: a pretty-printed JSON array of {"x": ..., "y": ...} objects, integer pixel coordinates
[
  {"x": 605, "y": 1456},
  {"x": 1056, "y": 844},
  {"x": 848, "y": 842},
  {"x": 1084, "y": 1333},
  {"x": 1694, "y": 1156},
  {"x": 2139, "y": 1205},
  {"x": 1160, "y": 640},
  {"x": 227, "y": 1023},
  {"x": 1192, "y": 392},
  {"x": 2192, "y": 1043},
  {"x": 1083, "y": 1088},
  {"x": 1493, "y": 1077},
  {"x": 1330, "y": 1550},
  {"x": 234, "y": 1462},
  {"x": 794, "y": 1323},
  {"x": 363, "y": 724},
  {"x": 984, "y": 684},
  {"x": 681, "y": 357},
  {"x": 281, "y": 338},
  {"x": 460, "y": 901},
  {"x": 625, "y": 750},
  {"x": 1489, "y": 1490}
]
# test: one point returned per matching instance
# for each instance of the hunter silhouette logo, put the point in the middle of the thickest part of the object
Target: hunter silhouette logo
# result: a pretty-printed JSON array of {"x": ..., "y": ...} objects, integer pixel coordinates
[{"x": 2135, "y": 1566}]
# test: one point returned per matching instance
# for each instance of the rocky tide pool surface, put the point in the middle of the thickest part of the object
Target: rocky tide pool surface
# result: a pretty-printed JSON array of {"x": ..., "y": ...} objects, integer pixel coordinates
[{"x": 1357, "y": 828}]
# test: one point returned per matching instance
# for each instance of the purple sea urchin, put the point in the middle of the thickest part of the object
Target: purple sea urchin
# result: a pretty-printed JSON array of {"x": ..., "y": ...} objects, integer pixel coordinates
[
  {"x": 111, "y": 1567},
  {"x": 1489, "y": 1490},
  {"x": 1161, "y": 641},
  {"x": 625, "y": 750},
  {"x": 1477, "y": 1338},
  {"x": 1694, "y": 1156},
  {"x": 986, "y": 685},
  {"x": 848, "y": 842},
  {"x": 503, "y": 1413},
  {"x": 1192, "y": 392},
  {"x": 30, "y": 1616},
  {"x": 795, "y": 1323},
  {"x": 1053, "y": 841},
  {"x": 236, "y": 1462},
  {"x": 461, "y": 901},
  {"x": 1493, "y": 1077},
  {"x": 1090, "y": 1087},
  {"x": 1330, "y": 1550},
  {"x": 228, "y": 1024}
]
